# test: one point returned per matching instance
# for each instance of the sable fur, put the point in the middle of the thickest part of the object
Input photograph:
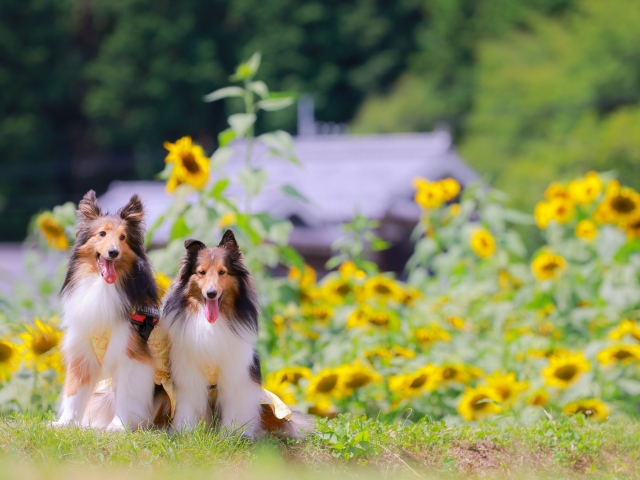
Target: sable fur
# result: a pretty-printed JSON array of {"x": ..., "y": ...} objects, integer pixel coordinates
[
  {"x": 226, "y": 343},
  {"x": 91, "y": 305}
]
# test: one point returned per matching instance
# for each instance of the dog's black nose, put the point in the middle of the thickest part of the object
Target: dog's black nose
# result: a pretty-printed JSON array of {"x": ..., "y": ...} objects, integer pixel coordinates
[
  {"x": 212, "y": 294},
  {"x": 113, "y": 252}
]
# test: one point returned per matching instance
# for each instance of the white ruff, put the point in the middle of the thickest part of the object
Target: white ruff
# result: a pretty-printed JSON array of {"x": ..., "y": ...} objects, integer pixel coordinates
[
  {"x": 94, "y": 306},
  {"x": 197, "y": 344}
]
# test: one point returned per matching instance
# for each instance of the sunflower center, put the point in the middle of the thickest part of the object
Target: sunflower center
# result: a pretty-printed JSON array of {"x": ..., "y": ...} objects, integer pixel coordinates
[
  {"x": 477, "y": 403},
  {"x": 419, "y": 381},
  {"x": 189, "y": 162},
  {"x": 357, "y": 380},
  {"x": 379, "y": 318},
  {"x": 6, "y": 352},
  {"x": 622, "y": 354},
  {"x": 328, "y": 383},
  {"x": 566, "y": 372},
  {"x": 504, "y": 391},
  {"x": 42, "y": 344},
  {"x": 51, "y": 227},
  {"x": 622, "y": 204},
  {"x": 382, "y": 289},
  {"x": 550, "y": 266},
  {"x": 449, "y": 373},
  {"x": 587, "y": 412},
  {"x": 343, "y": 289}
]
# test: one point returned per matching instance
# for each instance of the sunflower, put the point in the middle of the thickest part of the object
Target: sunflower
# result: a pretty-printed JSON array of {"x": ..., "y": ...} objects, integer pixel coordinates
[
  {"x": 413, "y": 384},
  {"x": 458, "y": 372},
  {"x": 429, "y": 195},
  {"x": 456, "y": 322},
  {"x": 327, "y": 383},
  {"x": 349, "y": 270},
  {"x": 282, "y": 390},
  {"x": 403, "y": 352},
  {"x": 483, "y": 243},
  {"x": 380, "y": 352},
  {"x": 506, "y": 386},
  {"x": 335, "y": 291},
  {"x": 305, "y": 278},
  {"x": 52, "y": 231},
  {"x": 323, "y": 408},
  {"x": 428, "y": 336},
  {"x": 382, "y": 288},
  {"x": 542, "y": 214},
  {"x": 164, "y": 282},
  {"x": 227, "y": 219},
  {"x": 547, "y": 265},
  {"x": 622, "y": 201},
  {"x": 590, "y": 408},
  {"x": 565, "y": 368},
  {"x": 9, "y": 360},
  {"x": 586, "y": 190},
  {"x": 357, "y": 375},
  {"x": 478, "y": 403},
  {"x": 622, "y": 354},
  {"x": 450, "y": 188},
  {"x": 318, "y": 312},
  {"x": 292, "y": 375},
  {"x": 539, "y": 399},
  {"x": 410, "y": 295},
  {"x": 556, "y": 190},
  {"x": 190, "y": 165},
  {"x": 603, "y": 214},
  {"x": 626, "y": 327},
  {"x": 562, "y": 210},
  {"x": 586, "y": 230},
  {"x": 38, "y": 346},
  {"x": 631, "y": 225},
  {"x": 455, "y": 209}
]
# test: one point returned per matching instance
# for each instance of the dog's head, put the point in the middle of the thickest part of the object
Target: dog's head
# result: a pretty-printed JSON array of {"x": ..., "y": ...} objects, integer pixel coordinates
[
  {"x": 110, "y": 243},
  {"x": 214, "y": 277}
]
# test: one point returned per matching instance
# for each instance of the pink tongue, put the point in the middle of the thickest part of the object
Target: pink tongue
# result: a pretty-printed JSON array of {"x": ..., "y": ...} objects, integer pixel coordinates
[
  {"x": 211, "y": 310},
  {"x": 109, "y": 271}
]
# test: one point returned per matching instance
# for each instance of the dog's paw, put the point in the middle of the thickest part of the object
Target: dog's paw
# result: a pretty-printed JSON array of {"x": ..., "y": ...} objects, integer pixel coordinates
[
  {"x": 116, "y": 425},
  {"x": 58, "y": 424}
]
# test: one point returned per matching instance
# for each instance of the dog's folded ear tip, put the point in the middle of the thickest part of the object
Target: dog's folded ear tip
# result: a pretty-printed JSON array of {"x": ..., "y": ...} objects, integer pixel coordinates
[{"x": 193, "y": 243}]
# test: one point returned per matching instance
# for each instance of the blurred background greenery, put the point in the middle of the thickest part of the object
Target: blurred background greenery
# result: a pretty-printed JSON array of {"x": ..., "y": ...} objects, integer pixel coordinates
[{"x": 533, "y": 91}]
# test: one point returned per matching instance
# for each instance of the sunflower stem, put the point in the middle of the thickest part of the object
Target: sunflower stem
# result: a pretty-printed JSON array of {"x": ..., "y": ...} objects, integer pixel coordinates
[{"x": 249, "y": 108}]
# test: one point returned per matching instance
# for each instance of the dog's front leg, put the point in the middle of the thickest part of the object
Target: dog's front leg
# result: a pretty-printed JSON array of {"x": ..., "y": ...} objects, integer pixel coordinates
[
  {"x": 192, "y": 394},
  {"x": 133, "y": 383},
  {"x": 239, "y": 393},
  {"x": 83, "y": 371}
]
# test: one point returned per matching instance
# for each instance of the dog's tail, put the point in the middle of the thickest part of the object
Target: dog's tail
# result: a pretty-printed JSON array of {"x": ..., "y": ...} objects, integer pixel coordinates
[
  {"x": 298, "y": 426},
  {"x": 101, "y": 408}
]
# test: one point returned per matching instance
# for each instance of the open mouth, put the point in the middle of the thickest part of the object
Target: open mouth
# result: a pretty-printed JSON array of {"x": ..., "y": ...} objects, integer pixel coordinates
[
  {"x": 107, "y": 269},
  {"x": 212, "y": 308}
]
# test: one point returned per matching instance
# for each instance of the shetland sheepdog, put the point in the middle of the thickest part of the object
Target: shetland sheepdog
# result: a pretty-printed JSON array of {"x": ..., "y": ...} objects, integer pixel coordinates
[
  {"x": 109, "y": 274},
  {"x": 210, "y": 315}
]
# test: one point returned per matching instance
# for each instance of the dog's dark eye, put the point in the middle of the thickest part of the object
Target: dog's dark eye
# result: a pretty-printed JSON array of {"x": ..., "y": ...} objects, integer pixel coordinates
[
  {"x": 221, "y": 272},
  {"x": 102, "y": 233},
  {"x": 201, "y": 272},
  {"x": 121, "y": 238}
]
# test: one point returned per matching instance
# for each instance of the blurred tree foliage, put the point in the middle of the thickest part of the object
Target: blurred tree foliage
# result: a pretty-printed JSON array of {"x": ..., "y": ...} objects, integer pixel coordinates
[
  {"x": 440, "y": 83},
  {"x": 559, "y": 99},
  {"x": 92, "y": 89}
]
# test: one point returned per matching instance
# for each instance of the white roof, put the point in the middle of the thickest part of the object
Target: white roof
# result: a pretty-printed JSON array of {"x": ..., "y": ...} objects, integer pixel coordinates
[{"x": 340, "y": 174}]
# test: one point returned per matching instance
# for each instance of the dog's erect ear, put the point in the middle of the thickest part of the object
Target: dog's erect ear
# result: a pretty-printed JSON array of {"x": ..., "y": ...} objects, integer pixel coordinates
[
  {"x": 88, "y": 208},
  {"x": 132, "y": 211},
  {"x": 194, "y": 246},
  {"x": 228, "y": 242}
]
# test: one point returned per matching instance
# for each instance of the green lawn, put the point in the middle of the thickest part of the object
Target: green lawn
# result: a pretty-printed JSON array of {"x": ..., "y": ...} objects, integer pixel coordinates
[{"x": 348, "y": 447}]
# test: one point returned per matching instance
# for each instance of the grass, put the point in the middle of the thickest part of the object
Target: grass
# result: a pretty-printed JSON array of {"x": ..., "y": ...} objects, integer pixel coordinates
[{"x": 348, "y": 447}]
